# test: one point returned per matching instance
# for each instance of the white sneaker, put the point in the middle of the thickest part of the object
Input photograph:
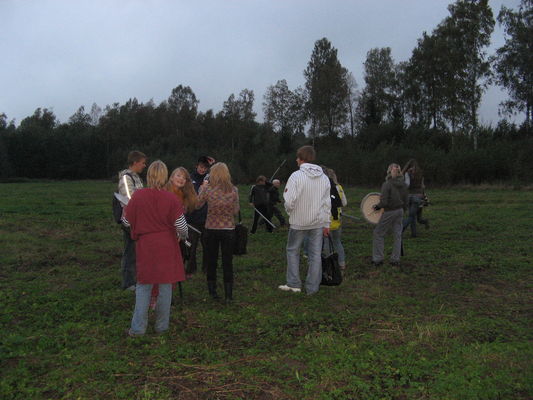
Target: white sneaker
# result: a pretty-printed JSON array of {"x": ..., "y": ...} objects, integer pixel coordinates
[{"x": 286, "y": 288}]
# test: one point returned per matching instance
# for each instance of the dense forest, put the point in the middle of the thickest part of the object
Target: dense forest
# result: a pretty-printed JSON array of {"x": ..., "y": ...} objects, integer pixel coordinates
[{"x": 424, "y": 108}]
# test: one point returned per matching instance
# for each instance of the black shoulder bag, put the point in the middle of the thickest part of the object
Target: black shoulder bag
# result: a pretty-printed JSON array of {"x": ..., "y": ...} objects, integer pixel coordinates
[{"x": 331, "y": 271}]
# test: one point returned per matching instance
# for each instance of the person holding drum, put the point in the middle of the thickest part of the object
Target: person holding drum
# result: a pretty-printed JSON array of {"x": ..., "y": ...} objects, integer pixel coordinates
[{"x": 394, "y": 200}]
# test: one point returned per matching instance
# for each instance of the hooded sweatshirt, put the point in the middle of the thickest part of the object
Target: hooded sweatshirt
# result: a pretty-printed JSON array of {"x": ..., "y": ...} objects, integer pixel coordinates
[
  {"x": 307, "y": 198},
  {"x": 394, "y": 194}
]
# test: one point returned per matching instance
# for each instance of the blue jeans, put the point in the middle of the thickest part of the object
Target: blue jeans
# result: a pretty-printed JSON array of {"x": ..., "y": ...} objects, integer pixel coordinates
[
  {"x": 414, "y": 203},
  {"x": 139, "y": 322},
  {"x": 314, "y": 250},
  {"x": 337, "y": 245}
]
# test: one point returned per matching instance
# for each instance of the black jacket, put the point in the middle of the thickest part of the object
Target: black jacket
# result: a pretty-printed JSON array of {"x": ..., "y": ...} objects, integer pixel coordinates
[
  {"x": 197, "y": 217},
  {"x": 260, "y": 195}
]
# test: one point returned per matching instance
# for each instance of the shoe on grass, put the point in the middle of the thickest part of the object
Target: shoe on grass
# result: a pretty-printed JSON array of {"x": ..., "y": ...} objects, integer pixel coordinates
[
  {"x": 286, "y": 288},
  {"x": 129, "y": 333},
  {"x": 395, "y": 263}
]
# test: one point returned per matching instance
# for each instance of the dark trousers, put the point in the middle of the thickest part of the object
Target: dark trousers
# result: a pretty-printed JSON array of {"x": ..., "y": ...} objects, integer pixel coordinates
[
  {"x": 196, "y": 238},
  {"x": 267, "y": 212},
  {"x": 415, "y": 213},
  {"x": 223, "y": 239},
  {"x": 129, "y": 277},
  {"x": 277, "y": 213}
]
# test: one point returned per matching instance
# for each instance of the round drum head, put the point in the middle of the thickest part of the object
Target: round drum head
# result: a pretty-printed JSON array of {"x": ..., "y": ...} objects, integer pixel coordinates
[{"x": 367, "y": 208}]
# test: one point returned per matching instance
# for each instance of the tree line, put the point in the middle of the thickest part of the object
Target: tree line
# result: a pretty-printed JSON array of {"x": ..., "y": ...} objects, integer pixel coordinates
[{"x": 425, "y": 107}]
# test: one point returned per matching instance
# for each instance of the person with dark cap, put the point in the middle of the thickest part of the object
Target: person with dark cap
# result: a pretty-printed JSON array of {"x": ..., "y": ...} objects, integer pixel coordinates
[{"x": 197, "y": 218}]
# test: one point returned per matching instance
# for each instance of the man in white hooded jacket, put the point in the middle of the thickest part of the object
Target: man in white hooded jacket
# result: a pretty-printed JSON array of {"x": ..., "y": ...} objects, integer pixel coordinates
[{"x": 308, "y": 203}]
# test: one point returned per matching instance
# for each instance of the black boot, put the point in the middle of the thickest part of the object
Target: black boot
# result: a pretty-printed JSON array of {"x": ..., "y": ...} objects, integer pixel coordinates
[
  {"x": 212, "y": 287},
  {"x": 228, "y": 291}
]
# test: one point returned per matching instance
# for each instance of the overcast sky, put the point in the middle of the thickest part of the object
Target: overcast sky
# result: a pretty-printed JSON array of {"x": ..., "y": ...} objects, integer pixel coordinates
[{"x": 62, "y": 54}]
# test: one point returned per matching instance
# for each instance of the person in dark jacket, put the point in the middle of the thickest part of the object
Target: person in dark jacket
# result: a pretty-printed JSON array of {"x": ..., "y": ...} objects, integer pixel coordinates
[
  {"x": 197, "y": 218},
  {"x": 394, "y": 201},
  {"x": 260, "y": 200},
  {"x": 414, "y": 179},
  {"x": 274, "y": 200}
]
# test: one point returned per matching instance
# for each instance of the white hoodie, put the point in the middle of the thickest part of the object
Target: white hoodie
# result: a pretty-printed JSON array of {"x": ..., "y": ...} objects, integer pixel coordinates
[{"x": 307, "y": 198}]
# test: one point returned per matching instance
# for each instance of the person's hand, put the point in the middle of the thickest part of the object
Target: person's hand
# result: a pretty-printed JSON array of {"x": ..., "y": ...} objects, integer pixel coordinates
[{"x": 326, "y": 232}]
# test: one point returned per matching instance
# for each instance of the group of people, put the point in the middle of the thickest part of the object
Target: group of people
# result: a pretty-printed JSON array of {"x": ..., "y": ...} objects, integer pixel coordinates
[{"x": 164, "y": 223}]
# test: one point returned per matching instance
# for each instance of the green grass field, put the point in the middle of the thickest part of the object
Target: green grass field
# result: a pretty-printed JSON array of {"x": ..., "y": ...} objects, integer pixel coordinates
[{"x": 454, "y": 323}]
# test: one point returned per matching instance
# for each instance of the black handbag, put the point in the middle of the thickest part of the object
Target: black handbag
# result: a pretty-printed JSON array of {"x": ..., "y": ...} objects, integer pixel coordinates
[
  {"x": 240, "y": 239},
  {"x": 331, "y": 271}
]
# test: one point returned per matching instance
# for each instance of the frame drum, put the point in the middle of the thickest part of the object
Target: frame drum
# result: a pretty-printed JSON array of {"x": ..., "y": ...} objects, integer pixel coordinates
[{"x": 367, "y": 208}]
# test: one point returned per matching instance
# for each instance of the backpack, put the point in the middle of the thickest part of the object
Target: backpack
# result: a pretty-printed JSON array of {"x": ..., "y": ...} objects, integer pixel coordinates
[{"x": 116, "y": 205}]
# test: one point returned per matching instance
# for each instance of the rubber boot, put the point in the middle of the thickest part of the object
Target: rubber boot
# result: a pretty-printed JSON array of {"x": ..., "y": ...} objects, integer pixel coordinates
[
  {"x": 228, "y": 291},
  {"x": 212, "y": 287}
]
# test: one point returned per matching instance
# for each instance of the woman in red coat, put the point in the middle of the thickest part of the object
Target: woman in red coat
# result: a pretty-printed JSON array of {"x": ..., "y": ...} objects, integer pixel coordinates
[{"x": 155, "y": 217}]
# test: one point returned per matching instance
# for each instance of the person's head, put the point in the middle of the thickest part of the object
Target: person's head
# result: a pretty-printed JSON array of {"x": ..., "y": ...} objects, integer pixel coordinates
[
  {"x": 202, "y": 166},
  {"x": 180, "y": 183},
  {"x": 305, "y": 154},
  {"x": 219, "y": 176},
  {"x": 136, "y": 161},
  {"x": 393, "y": 170},
  {"x": 331, "y": 175},
  {"x": 261, "y": 180},
  {"x": 276, "y": 183},
  {"x": 157, "y": 175},
  {"x": 179, "y": 178},
  {"x": 411, "y": 165}
]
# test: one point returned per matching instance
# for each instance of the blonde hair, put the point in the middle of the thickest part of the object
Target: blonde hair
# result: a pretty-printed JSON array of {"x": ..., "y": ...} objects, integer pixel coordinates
[
  {"x": 331, "y": 174},
  {"x": 187, "y": 191},
  {"x": 157, "y": 175},
  {"x": 220, "y": 177},
  {"x": 389, "y": 170}
]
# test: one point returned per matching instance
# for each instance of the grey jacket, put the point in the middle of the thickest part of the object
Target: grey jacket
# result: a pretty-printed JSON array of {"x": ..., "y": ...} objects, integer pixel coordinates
[{"x": 394, "y": 194}]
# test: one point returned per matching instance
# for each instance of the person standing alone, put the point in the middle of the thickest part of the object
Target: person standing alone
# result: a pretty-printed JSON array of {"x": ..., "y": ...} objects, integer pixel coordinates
[
  {"x": 394, "y": 200},
  {"x": 308, "y": 203}
]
